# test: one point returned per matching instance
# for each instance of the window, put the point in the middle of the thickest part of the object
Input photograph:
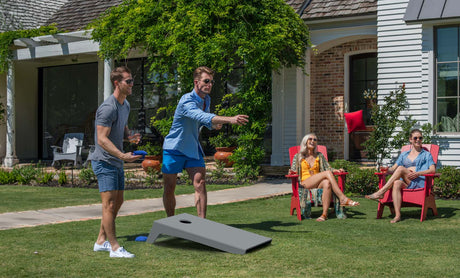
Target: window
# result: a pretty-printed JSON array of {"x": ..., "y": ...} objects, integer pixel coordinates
[
  {"x": 150, "y": 91},
  {"x": 68, "y": 103},
  {"x": 363, "y": 84},
  {"x": 447, "y": 76}
]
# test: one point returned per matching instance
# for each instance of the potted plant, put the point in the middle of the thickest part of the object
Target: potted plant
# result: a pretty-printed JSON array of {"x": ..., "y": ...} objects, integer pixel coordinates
[
  {"x": 153, "y": 158},
  {"x": 225, "y": 145}
]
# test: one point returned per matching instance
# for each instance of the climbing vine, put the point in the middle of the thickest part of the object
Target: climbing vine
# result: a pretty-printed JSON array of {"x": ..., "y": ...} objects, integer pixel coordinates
[
  {"x": 180, "y": 35},
  {"x": 7, "y": 38}
]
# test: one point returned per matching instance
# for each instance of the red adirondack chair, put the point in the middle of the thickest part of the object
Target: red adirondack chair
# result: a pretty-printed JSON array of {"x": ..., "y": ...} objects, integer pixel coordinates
[
  {"x": 421, "y": 197},
  {"x": 295, "y": 201}
]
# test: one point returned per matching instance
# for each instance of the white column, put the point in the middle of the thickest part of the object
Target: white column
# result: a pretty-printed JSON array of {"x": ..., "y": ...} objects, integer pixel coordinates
[
  {"x": 303, "y": 99},
  {"x": 108, "y": 66},
  {"x": 10, "y": 157},
  {"x": 278, "y": 121}
]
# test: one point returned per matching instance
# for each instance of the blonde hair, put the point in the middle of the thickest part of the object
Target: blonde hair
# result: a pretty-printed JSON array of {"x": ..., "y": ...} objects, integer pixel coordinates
[
  {"x": 198, "y": 71},
  {"x": 303, "y": 151}
]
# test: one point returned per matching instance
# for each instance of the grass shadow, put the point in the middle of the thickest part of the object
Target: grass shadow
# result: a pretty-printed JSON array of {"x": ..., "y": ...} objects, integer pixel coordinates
[
  {"x": 267, "y": 226},
  {"x": 446, "y": 212}
]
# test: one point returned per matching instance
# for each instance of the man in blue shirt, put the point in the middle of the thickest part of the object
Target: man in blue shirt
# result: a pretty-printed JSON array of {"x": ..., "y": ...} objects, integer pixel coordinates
[{"x": 181, "y": 148}]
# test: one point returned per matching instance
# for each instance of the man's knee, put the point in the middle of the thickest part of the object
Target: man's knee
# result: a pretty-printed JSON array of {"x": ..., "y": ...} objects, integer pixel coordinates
[{"x": 200, "y": 185}]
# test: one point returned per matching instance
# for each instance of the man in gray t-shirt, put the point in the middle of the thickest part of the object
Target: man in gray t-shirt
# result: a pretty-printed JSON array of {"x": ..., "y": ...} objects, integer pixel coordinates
[{"x": 108, "y": 157}]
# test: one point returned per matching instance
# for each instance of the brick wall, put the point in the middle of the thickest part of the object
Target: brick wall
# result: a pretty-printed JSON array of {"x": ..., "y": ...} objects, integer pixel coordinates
[{"x": 327, "y": 93}]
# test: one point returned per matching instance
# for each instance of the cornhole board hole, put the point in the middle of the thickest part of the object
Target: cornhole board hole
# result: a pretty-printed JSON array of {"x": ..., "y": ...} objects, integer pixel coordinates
[{"x": 207, "y": 232}]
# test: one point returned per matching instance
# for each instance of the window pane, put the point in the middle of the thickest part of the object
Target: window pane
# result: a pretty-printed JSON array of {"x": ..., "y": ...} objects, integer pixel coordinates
[
  {"x": 359, "y": 69},
  {"x": 447, "y": 44},
  {"x": 447, "y": 79},
  {"x": 447, "y": 114},
  {"x": 371, "y": 69},
  {"x": 69, "y": 104}
]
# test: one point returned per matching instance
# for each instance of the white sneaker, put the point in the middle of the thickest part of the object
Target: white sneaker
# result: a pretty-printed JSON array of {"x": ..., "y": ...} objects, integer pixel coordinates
[
  {"x": 121, "y": 253},
  {"x": 102, "y": 247}
]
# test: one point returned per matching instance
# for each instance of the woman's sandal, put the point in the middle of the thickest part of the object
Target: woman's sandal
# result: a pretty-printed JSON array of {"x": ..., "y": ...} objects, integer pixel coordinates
[
  {"x": 349, "y": 203},
  {"x": 322, "y": 218},
  {"x": 374, "y": 197}
]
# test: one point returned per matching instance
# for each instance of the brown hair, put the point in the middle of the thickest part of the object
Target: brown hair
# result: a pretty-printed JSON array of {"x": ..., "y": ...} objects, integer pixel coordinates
[
  {"x": 117, "y": 74},
  {"x": 197, "y": 73},
  {"x": 414, "y": 131}
]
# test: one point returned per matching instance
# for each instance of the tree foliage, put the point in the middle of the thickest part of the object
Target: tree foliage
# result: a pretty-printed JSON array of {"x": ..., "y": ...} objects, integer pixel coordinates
[
  {"x": 180, "y": 35},
  {"x": 392, "y": 129}
]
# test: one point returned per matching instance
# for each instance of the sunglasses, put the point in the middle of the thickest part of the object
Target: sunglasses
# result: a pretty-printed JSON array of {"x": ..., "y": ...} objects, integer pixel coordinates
[
  {"x": 129, "y": 81},
  {"x": 206, "y": 81},
  {"x": 417, "y": 138},
  {"x": 314, "y": 139}
]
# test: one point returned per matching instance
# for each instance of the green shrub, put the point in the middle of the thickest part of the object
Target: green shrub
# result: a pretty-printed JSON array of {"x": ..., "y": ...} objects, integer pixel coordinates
[
  {"x": 7, "y": 177},
  {"x": 348, "y": 166},
  {"x": 448, "y": 184},
  {"x": 152, "y": 178},
  {"x": 45, "y": 177},
  {"x": 358, "y": 181},
  {"x": 362, "y": 181},
  {"x": 62, "y": 178},
  {"x": 87, "y": 176},
  {"x": 25, "y": 174}
]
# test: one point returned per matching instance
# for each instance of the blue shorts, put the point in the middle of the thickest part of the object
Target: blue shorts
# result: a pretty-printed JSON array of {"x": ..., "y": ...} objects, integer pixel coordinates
[
  {"x": 109, "y": 177},
  {"x": 174, "y": 162}
]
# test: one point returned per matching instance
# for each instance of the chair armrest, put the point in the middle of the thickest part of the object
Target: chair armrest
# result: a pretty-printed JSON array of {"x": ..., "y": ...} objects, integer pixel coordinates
[
  {"x": 341, "y": 178},
  {"x": 382, "y": 178},
  {"x": 56, "y": 148},
  {"x": 429, "y": 182},
  {"x": 435, "y": 175}
]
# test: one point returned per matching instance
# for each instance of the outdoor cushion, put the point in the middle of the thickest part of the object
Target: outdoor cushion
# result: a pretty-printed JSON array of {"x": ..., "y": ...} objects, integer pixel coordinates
[{"x": 355, "y": 121}]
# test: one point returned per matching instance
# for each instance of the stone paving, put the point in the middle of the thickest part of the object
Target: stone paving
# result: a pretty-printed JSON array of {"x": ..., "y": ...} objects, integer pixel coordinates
[{"x": 266, "y": 189}]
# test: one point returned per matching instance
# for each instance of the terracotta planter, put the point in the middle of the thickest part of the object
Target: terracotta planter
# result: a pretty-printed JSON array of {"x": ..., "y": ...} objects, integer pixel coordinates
[
  {"x": 222, "y": 154},
  {"x": 152, "y": 161}
]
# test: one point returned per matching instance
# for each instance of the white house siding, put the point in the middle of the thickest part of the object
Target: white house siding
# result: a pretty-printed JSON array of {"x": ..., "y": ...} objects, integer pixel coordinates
[
  {"x": 284, "y": 110},
  {"x": 405, "y": 55}
]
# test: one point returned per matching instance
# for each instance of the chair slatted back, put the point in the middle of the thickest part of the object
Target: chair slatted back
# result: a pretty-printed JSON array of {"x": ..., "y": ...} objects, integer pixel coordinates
[
  {"x": 293, "y": 150},
  {"x": 432, "y": 148}
]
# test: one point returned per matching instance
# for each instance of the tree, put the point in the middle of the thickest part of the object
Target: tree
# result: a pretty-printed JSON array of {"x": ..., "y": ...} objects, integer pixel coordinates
[
  {"x": 178, "y": 36},
  {"x": 391, "y": 130}
]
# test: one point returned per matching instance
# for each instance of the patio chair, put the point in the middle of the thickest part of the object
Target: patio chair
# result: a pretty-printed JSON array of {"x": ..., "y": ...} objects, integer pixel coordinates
[
  {"x": 421, "y": 197},
  {"x": 70, "y": 150},
  {"x": 295, "y": 197}
]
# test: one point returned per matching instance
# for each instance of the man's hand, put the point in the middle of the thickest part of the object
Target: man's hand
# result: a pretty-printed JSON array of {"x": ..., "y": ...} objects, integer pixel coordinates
[
  {"x": 135, "y": 138},
  {"x": 217, "y": 126},
  {"x": 129, "y": 157},
  {"x": 240, "y": 119}
]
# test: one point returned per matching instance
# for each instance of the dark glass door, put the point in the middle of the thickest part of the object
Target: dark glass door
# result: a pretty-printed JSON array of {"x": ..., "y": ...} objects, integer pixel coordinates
[
  {"x": 363, "y": 95},
  {"x": 68, "y": 103}
]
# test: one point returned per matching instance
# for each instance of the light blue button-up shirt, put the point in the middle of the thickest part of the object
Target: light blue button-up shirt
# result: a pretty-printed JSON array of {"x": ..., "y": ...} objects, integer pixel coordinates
[
  {"x": 188, "y": 118},
  {"x": 423, "y": 162}
]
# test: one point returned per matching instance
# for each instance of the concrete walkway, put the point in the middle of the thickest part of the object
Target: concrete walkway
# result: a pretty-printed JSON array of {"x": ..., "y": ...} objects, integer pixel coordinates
[{"x": 12, "y": 220}]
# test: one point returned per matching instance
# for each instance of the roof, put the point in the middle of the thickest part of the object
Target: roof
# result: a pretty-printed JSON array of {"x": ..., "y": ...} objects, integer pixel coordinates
[
  {"x": 323, "y": 9},
  {"x": 26, "y": 14},
  {"x": 421, "y": 10},
  {"x": 77, "y": 14}
]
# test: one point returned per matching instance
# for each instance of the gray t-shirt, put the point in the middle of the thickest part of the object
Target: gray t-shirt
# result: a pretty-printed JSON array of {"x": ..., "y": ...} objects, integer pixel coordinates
[{"x": 114, "y": 115}]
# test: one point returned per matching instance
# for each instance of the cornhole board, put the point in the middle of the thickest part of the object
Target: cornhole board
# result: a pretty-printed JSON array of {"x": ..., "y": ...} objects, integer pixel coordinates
[{"x": 207, "y": 232}]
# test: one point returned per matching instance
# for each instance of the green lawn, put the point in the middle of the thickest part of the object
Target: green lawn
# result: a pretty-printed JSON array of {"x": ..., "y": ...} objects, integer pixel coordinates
[
  {"x": 360, "y": 246},
  {"x": 24, "y": 197}
]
